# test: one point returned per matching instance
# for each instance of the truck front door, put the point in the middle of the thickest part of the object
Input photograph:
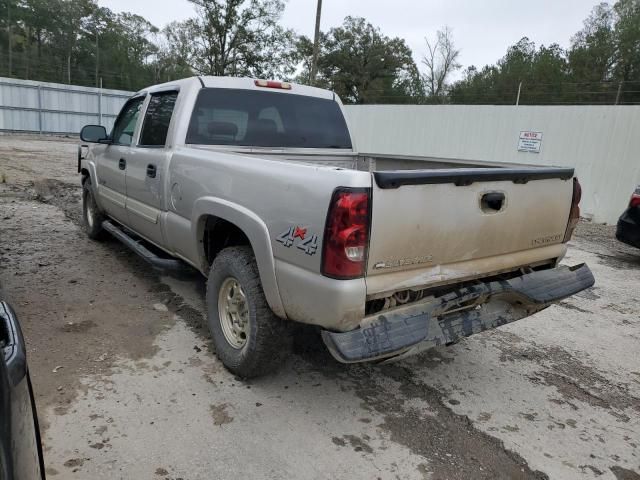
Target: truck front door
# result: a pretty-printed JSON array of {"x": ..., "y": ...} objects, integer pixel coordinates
[{"x": 112, "y": 163}]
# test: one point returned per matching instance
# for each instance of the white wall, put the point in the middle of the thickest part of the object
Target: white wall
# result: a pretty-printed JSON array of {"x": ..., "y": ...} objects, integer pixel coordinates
[
  {"x": 29, "y": 106},
  {"x": 601, "y": 142}
]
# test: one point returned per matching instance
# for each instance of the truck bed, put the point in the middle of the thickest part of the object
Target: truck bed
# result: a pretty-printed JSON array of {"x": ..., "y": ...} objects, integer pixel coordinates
[
  {"x": 439, "y": 221},
  {"x": 381, "y": 163}
]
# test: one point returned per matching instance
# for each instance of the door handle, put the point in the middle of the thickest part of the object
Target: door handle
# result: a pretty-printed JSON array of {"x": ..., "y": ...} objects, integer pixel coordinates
[
  {"x": 151, "y": 170},
  {"x": 122, "y": 164}
]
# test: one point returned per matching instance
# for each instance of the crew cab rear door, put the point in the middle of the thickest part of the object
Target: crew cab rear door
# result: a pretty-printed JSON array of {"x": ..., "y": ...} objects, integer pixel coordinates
[{"x": 146, "y": 167}]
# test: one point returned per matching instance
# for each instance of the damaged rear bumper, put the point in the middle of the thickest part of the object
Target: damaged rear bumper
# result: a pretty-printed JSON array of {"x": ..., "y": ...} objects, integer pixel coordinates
[{"x": 464, "y": 312}]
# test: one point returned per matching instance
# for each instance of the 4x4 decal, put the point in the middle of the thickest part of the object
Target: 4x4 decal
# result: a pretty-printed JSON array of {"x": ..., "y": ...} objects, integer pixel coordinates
[{"x": 308, "y": 245}]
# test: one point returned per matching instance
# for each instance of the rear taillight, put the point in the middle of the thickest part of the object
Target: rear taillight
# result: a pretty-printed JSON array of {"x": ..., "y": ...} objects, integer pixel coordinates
[
  {"x": 346, "y": 236},
  {"x": 635, "y": 198},
  {"x": 574, "y": 215}
]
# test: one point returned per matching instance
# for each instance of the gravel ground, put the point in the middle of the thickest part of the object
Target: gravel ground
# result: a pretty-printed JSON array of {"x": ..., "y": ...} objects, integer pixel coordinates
[{"x": 128, "y": 386}]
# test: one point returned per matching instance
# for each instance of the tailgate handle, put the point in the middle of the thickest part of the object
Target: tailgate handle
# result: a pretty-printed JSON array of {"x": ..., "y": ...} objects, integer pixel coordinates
[{"x": 492, "y": 202}]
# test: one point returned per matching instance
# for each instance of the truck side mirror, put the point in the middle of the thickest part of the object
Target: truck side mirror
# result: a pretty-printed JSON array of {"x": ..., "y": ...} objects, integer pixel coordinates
[{"x": 94, "y": 134}]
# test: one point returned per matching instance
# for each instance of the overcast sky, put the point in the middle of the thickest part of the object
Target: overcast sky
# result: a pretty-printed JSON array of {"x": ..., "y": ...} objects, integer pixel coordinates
[{"x": 482, "y": 29}]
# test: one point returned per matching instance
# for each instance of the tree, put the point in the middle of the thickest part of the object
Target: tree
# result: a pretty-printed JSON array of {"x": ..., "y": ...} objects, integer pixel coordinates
[
  {"x": 174, "y": 45},
  {"x": 8, "y": 13},
  {"x": 543, "y": 72},
  {"x": 69, "y": 25},
  {"x": 81, "y": 42},
  {"x": 549, "y": 77},
  {"x": 362, "y": 65},
  {"x": 627, "y": 67},
  {"x": 593, "y": 49},
  {"x": 602, "y": 65},
  {"x": 238, "y": 38},
  {"x": 440, "y": 61},
  {"x": 304, "y": 47},
  {"x": 62, "y": 40},
  {"x": 118, "y": 48}
]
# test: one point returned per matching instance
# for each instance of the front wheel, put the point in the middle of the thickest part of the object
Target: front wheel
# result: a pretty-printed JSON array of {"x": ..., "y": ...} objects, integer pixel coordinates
[
  {"x": 92, "y": 217},
  {"x": 249, "y": 339}
]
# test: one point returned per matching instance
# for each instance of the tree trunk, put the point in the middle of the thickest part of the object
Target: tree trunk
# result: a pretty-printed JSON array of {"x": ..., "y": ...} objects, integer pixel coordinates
[
  {"x": 28, "y": 52},
  {"x": 97, "y": 58}
]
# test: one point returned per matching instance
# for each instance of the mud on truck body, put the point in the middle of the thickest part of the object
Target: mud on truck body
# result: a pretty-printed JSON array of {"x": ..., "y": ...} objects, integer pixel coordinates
[{"x": 259, "y": 186}]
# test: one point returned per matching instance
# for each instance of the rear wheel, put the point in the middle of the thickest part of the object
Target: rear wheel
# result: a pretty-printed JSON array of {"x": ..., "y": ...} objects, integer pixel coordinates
[
  {"x": 249, "y": 339},
  {"x": 92, "y": 217}
]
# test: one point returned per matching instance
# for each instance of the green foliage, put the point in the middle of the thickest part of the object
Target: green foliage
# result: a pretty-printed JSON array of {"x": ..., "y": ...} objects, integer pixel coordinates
[
  {"x": 627, "y": 29},
  {"x": 79, "y": 42},
  {"x": 362, "y": 65},
  {"x": 601, "y": 66},
  {"x": 236, "y": 38},
  {"x": 592, "y": 55}
]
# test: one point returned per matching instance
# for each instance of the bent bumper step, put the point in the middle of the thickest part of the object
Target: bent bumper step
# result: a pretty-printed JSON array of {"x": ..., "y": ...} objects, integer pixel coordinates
[{"x": 428, "y": 323}]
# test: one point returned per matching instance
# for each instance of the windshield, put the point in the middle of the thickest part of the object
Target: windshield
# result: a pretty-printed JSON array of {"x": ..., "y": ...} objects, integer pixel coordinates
[{"x": 266, "y": 119}]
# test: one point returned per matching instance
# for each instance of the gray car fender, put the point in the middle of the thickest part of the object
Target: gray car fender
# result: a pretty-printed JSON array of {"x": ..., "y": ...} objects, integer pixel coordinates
[
  {"x": 88, "y": 164},
  {"x": 255, "y": 230}
]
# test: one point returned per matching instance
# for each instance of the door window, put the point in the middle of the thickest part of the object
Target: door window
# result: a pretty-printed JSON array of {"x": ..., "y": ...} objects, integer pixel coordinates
[
  {"x": 157, "y": 119},
  {"x": 125, "y": 125}
]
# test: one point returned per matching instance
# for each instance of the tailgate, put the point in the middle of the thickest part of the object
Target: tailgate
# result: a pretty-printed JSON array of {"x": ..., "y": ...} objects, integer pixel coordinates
[{"x": 423, "y": 219}]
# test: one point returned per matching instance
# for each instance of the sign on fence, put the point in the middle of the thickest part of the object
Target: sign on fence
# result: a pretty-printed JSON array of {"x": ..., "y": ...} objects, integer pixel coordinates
[{"x": 530, "y": 142}]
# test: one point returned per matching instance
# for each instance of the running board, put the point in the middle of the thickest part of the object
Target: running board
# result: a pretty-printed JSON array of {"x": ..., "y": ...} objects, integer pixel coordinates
[{"x": 166, "y": 264}]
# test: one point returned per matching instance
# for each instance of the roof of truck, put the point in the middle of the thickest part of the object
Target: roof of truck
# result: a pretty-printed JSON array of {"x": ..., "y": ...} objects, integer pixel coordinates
[{"x": 237, "y": 83}]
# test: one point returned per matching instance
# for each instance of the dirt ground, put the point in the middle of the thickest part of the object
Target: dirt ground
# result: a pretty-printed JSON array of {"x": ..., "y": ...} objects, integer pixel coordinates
[{"x": 128, "y": 386}]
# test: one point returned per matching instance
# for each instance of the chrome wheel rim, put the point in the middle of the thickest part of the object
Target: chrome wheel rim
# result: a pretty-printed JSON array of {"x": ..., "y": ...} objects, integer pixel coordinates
[
  {"x": 233, "y": 311},
  {"x": 89, "y": 210}
]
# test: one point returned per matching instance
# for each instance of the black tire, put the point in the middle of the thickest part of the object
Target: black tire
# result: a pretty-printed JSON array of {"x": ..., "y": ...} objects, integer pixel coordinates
[
  {"x": 92, "y": 217},
  {"x": 268, "y": 341}
]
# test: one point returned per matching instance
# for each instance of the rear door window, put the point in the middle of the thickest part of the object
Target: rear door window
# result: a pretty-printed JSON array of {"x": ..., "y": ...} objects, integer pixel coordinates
[{"x": 157, "y": 119}]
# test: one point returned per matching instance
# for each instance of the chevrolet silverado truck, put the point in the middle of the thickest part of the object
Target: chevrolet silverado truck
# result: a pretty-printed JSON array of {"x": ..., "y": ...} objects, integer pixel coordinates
[{"x": 258, "y": 185}]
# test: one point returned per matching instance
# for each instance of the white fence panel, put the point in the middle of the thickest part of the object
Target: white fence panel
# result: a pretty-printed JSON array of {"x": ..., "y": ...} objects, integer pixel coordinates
[
  {"x": 19, "y": 120},
  {"x": 40, "y": 107},
  {"x": 601, "y": 142}
]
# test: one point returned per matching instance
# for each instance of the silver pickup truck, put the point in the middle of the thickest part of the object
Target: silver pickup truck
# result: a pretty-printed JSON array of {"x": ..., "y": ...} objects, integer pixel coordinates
[{"x": 259, "y": 186}]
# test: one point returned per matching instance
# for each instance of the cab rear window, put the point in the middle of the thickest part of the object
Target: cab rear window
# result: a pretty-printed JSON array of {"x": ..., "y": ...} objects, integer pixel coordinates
[{"x": 266, "y": 119}]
